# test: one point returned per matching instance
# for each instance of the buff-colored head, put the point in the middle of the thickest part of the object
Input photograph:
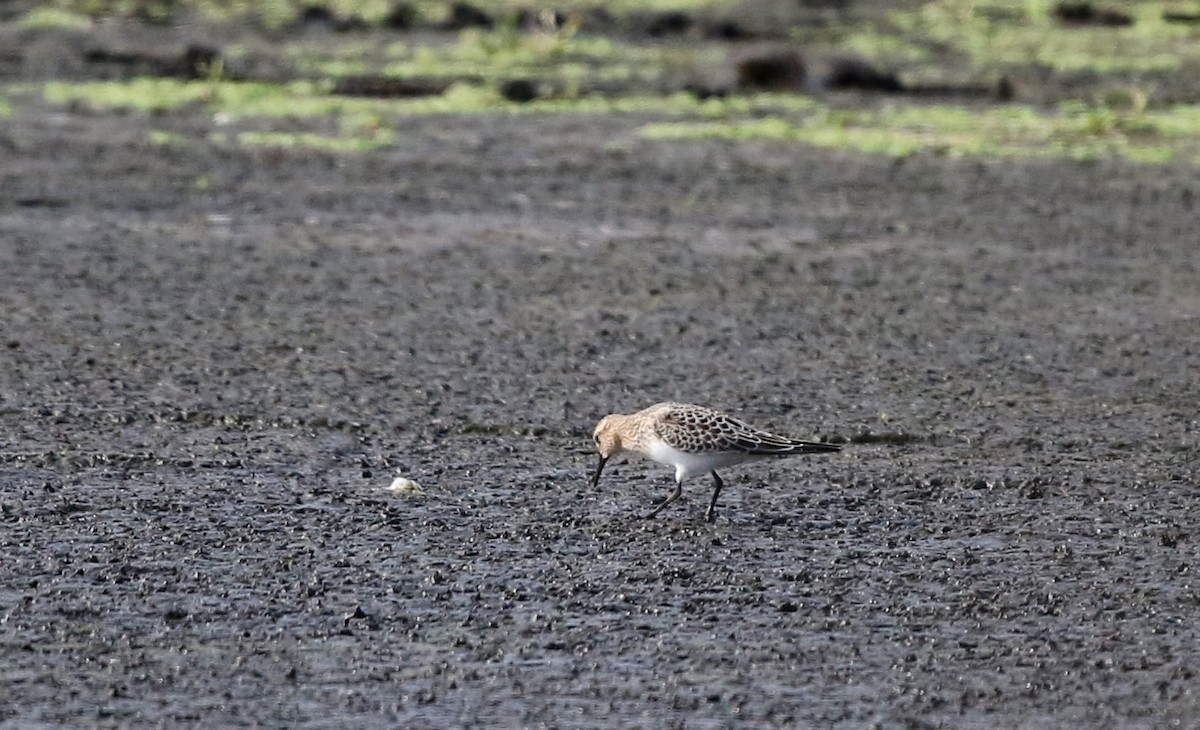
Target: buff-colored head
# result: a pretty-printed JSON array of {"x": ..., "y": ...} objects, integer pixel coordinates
[
  {"x": 608, "y": 435},
  {"x": 608, "y": 441}
]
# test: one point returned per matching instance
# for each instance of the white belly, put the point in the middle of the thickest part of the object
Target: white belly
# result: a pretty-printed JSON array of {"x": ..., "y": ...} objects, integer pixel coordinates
[{"x": 688, "y": 465}]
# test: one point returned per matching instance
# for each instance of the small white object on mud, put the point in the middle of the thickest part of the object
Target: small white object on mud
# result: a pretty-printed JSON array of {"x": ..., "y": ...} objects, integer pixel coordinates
[{"x": 402, "y": 485}]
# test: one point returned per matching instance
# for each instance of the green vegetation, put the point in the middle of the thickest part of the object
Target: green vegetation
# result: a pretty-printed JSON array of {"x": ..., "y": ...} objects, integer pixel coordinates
[
  {"x": 1005, "y": 33},
  {"x": 52, "y": 17},
  {"x": 876, "y": 46},
  {"x": 230, "y": 99},
  {"x": 1074, "y": 130},
  {"x": 1120, "y": 125},
  {"x": 237, "y": 99},
  {"x": 567, "y": 62},
  {"x": 167, "y": 138},
  {"x": 277, "y": 139},
  {"x": 955, "y": 41},
  {"x": 276, "y": 13},
  {"x": 381, "y": 138}
]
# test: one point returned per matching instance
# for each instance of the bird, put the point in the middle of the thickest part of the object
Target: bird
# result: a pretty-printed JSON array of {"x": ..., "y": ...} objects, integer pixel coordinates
[{"x": 693, "y": 439}]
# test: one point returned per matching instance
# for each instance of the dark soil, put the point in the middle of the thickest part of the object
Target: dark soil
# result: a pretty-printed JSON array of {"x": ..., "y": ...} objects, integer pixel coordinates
[{"x": 206, "y": 388}]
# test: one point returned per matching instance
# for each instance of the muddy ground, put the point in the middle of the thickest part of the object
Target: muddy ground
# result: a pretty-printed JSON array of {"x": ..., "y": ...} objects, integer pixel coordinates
[{"x": 206, "y": 389}]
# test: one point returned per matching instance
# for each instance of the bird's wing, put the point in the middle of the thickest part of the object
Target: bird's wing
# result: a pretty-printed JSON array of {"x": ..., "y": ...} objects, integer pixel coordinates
[
  {"x": 742, "y": 436},
  {"x": 696, "y": 429}
]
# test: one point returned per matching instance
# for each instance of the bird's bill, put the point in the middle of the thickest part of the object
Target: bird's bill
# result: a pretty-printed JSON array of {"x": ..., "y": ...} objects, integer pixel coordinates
[{"x": 599, "y": 468}]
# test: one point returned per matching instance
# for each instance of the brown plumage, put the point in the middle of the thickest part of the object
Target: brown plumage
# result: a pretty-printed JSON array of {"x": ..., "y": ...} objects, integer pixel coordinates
[{"x": 694, "y": 440}]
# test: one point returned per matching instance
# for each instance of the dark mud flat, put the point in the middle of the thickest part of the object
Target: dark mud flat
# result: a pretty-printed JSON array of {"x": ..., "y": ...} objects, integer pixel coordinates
[{"x": 205, "y": 392}]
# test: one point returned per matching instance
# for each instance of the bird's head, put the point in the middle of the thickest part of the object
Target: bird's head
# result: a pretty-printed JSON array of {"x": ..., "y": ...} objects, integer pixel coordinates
[
  {"x": 608, "y": 441},
  {"x": 608, "y": 436}
]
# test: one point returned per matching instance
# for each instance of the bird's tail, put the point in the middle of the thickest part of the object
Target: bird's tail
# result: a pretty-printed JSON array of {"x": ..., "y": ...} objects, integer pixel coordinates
[
  {"x": 771, "y": 444},
  {"x": 810, "y": 447}
]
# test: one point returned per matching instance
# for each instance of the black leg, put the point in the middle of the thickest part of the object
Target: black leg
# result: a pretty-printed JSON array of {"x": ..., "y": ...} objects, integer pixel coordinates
[
  {"x": 674, "y": 496},
  {"x": 711, "y": 514}
]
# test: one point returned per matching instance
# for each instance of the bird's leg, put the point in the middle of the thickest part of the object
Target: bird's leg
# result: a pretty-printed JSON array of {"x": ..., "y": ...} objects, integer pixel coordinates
[
  {"x": 711, "y": 514},
  {"x": 674, "y": 496}
]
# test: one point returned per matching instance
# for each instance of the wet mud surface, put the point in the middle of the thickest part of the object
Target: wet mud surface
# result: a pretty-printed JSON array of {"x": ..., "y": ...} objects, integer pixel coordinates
[{"x": 206, "y": 391}]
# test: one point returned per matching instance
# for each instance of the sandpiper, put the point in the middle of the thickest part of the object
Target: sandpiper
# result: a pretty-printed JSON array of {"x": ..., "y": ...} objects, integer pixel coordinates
[{"x": 694, "y": 440}]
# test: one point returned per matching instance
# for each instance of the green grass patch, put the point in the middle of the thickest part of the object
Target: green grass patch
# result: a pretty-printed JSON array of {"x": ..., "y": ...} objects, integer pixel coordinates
[
  {"x": 235, "y": 99},
  {"x": 144, "y": 94},
  {"x": 558, "y": 56},
  {"x": 876, "y": 46},
  {"x": 438, "y": 10},
  {"x": 231, "y": 98},
  {"x": 1118, "y": 124},
  {"x": 1025, "y": 33},
  {"x": 362, "y": 141},
  {"x": 160, "y": 137},
  {"x": 272, "y": 13},
  {"x": 52, "y": 17},
  {"x": 1075, "y": 130},
  {"x": 278, "y": 13},
  {"x": 382, "y": 138}
]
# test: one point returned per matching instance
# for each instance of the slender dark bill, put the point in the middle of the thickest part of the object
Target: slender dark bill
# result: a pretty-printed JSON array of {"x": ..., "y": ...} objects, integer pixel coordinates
[{"x": 599, "y": 468}]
